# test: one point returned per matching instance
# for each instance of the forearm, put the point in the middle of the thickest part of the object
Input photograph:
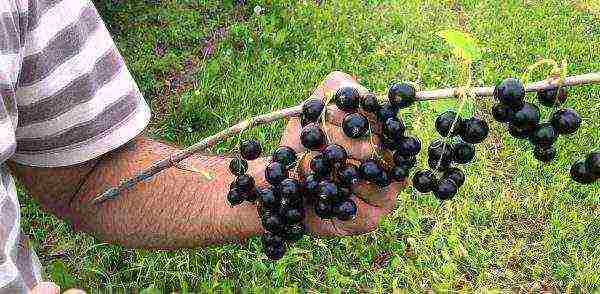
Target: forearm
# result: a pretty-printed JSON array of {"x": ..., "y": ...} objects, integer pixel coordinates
[{"x": 176, "y": 208}]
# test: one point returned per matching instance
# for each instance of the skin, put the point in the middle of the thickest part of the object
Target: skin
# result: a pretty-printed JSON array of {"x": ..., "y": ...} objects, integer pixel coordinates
[{"x": 180, "y": 207}]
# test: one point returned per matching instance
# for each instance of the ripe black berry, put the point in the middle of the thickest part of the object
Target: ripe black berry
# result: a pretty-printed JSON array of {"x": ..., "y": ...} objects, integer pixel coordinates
[
  {"x": 312, "y": 109},
  {"x": 289, "y": 188},
  {"x": 444, "y": 122},
  {"x": 348, "y": 175},
  {"x": 436, "y": 164},
  {"x": 552, "y": 97},
  {"x": 544, "y": 135},
  {"x": 235, "y": 197},
  {"x": 445, "y": 189},
  {"x": 399, "y": 173},
  {"x": 519, "y": 133},
  {"x": 581, "y": 174},
  {"x": 393, "y": 128},
  {"x": 347, "y": 99},
  {"x": 251, "y": 195},
  {"x": 383, "y": 180},
  {"x": 592, "y": 163},
  {"x": 502, "y": 112},
  {"x": 355, "y": 125},
  {"x": 269, "y": 238},
  {"x": 370, "y": 103},
  {"x": 370, "y": 170},
  {"x": 335, "y": 154},
  {"x": 238, "y": 166},
  {"x": 463, "y": 152},
  {"x": 456, "y": 175},
  {"x": 312, "y": 137},
  {"x": 401, "y": 95},
  {"x": 474, "y": 130},
  {"x": 328, "y": 191},
  {"x": 293, "y": 215},
  {"x": 275, "y": 173},
  {"x": 267, "y": 197},
  {"x": 440, "y": 153},
  {"x": 273, "y": 222},
  {"x": 566, "y": 121},
  {"x": 285, "y": 155},
  {"x": 324, "y": 209},
  {"x": 320, "y": 165},
  {"x": 544, "y": 153},
  {"x": 244, "y": 183},
  {"x": 345, "y": 210},
  {"x": 424, "y": 181},
  {"x": 294, "y": 232},
  {"x": 311, "y": 185},
  {"x": 387, "y": 143},
  {"x": 386, "y": 111},
  {"x": 405, "y": 161},
  {"x": 510, "y": 92},
  {"x": 408, "y": 146},
  {"x": 527, "y": 117},
  {"x": 250, "y": 149},
  {"x": 275, "y": 252}
]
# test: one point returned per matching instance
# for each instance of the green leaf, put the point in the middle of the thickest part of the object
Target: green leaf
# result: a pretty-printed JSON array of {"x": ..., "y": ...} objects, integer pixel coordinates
[{"x": 464, "y": 45}]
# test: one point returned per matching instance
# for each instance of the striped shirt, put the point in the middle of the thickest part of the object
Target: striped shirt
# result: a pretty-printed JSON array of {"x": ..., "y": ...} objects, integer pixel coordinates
[{"x": 65, "y": 97}]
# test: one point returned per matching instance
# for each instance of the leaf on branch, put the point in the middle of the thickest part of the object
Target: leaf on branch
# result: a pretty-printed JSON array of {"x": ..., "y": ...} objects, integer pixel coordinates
[{"x": 464, "y": 46}]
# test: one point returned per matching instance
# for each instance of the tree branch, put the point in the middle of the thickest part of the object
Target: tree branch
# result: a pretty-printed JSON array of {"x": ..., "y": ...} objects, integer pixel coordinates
[{"x": 447, "y": 93}]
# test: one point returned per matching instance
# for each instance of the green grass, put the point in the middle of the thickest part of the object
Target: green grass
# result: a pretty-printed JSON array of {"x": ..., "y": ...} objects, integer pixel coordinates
[{"x": 516, "y": 224}]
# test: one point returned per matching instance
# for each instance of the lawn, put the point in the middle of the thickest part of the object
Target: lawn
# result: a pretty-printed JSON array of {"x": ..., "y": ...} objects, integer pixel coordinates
[{"x": 203, "y": 65}]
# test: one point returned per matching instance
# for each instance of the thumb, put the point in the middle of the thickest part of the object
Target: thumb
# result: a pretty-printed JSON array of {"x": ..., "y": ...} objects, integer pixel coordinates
[{"x": 45, "y": 288}]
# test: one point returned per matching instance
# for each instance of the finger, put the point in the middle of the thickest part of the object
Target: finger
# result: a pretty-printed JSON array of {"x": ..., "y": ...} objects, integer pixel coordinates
[
  {"x": 291, "y": 135},
  {"x": 367, "y": 219},
  {"x": 45, "y": 288},
  {"x": 336, "y": 117},
  {"x": 374, "y": 195},
  {"x": 74, "y": 291}
]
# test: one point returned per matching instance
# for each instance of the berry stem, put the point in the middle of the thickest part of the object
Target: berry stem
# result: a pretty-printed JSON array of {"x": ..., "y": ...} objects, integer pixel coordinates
[{"x": 447, "y": 93}]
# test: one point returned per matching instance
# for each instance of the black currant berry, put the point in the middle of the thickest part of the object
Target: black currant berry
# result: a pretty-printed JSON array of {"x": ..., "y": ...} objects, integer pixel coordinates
[
  {"x": 445, "y": 189},
  {"x": 581, "y": 174},
  {"x": 348, "y": 175},
  {"x": 328, "y": 191},
  {"x": 320, "y": 165},
  {"x": 383, "y": 180},
  {"x": 273, "y": 222},
  {"x": 544, "y": 135},
  {"x": 235, "y": 197},
  {"x": 527, "y": 117},
  {"x": 335, "y": 154},
  {"x": 456, "y": 175},
  {"x": 311, "y": 185},
  {"x": 355, "y": 125},
  {"x": 404, "y": 161},
  {"x": 324, "y": 209},
  {"x": 544, "y": 153},
  {"x": 510, "y": 92},
  {"x": 347, "y": 99},
  {"x": 436, "y": 164},
  {"x": 275, "y": 173},
  {"x": 345, "y": 210},
  {"x": 293, "y": 215},
  {"x": 440, "y": 153},
  {"x": 502, "y": 112},
  {"x": 444, "y": 122},
  {"x": 399, "y": 173},
  {"x": 244, "y": 183},
  {"x": 474, "y": 130},
  {"x": 424, "y": 181},
  {"x": 370, "y": 170},
  {"x": 519, "y": 133},
  {"x": 268, "y": 198},
  {"x": 401, "y": 95},
  {"x": 344, "y": 192},
  {"x": 285, "y": 155},
  {"x": 294, "y": 232},
  {"x": 393, "y": 128},
  {"x": 463, "y": 152},
  {"x": 565, "y": 121},
  {"x": 250, "y": 149},
  {"x": 275, "y": 252},
  {"x": 387, "y": 143},
  {"x": 238, "y": 166},
  {"x": 312, "y": 109},
  {"x": 271, "y": 239},
  {"x": 369, "y": 103},
  {"x": 552, "y": 97},
  {"x": 289, "y": 188},
  {"x": 592, "y": 163},
  {"x": 251, "y": 195},
  {"x": 386, "y": 111},
  {"x": 408, "y": 146},
  {"x": 312, "y": 137}
]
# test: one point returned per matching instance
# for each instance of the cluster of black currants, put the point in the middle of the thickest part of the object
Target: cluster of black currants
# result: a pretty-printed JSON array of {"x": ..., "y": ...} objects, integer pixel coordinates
[
  {"x": 523, "y": 118},
  {"x": 457, "y": 146},
  {"x": 587, "y": 171}
]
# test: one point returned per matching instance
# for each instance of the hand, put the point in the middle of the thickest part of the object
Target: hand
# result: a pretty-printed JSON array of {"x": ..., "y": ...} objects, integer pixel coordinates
[{"x": 372, "y": 201}]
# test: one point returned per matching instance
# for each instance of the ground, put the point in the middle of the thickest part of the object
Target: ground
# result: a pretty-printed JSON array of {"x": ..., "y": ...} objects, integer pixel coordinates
[{"x": 203, "y": 65}]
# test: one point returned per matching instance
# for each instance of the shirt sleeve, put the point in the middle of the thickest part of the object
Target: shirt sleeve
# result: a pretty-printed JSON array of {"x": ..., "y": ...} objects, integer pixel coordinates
[{"x": 76, "y": 99}]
